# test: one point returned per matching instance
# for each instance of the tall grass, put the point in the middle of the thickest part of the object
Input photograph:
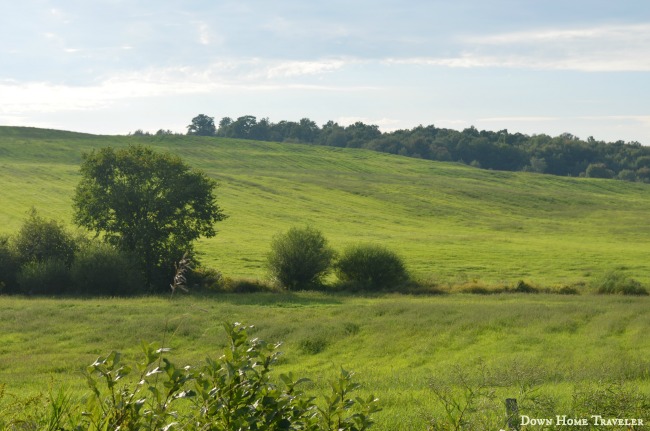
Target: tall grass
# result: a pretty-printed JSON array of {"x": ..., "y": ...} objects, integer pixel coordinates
[{"x": 397, "y": 345}]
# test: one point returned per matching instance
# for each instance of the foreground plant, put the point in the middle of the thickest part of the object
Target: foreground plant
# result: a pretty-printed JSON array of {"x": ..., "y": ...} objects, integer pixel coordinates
[{"x": 234, "y": 392}]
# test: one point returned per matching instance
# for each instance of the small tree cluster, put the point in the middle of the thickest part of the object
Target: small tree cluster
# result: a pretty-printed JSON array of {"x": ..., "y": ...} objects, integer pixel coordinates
[
  {"x": 43, "y": 258},
  {"x": 301, "y": 259}
]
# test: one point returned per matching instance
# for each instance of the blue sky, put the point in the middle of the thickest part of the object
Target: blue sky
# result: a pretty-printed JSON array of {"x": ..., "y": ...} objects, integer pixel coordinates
[{"x": 530, "y": 66}]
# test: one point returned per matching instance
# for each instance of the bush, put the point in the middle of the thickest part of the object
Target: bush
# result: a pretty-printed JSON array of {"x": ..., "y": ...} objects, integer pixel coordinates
[
  {"x": 9, "y": 267},
  {"x": 234, "y": 391},
  {"x": 100, "y": 269},
  {"x": 206, "y": 279},
  {"x": 370, "y": 266},
  {"x": 39, "y": 240},
  {"x": 616, "y": 282},
  {"x": 300, "y": 258},
  {"x": 44, "y": 277},
  {"x": 524, "y": 287}
]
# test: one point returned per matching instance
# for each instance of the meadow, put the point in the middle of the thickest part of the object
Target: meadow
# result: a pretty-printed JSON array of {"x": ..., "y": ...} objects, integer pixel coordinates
[
  {"x": 450, "y": 222},
  {"x": 454, "y": 226},
  {"x": 547, "y": 346}
]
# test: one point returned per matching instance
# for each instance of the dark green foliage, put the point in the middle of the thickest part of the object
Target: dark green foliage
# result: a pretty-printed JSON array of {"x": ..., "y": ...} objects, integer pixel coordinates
[
  {"x": 523, "y": 287},
  {"x": 371, "y": 266},
  {"x": 9, "y": 266},
  {"x": 300, "y": 258},
  {"x": 101, "y": 269},
  {"x": 202, "y": 125},
  {"x": 149, "y": 204},
  {"x": 233, "y": 392},
  {"x": 561, "y": 155},
  {"x": 44, "y": 277},
  {"x": 617, "y": 282},
  {"x": 599, "y": 170},
  {"x": 39, "y": 240}
]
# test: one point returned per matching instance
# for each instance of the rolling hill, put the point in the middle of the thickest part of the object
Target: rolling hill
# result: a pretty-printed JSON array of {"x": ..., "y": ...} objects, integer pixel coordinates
[{"x": 450, "y": 222}]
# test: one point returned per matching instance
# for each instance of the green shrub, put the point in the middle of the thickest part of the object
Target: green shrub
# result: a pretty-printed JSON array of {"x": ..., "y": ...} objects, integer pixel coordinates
[
  {"x": 39, "y": 240},
  {"x": 207, "y": 279},
  {"x": 617, "y": 282},
  {"x": 300, "y": 258},
  {"x": 44, "y": 277},
  {"x": 9, "y": 267},
  {"x": 100, "y": 269},
  {"x": 371, "y": 266},
  {"x": 233, "y": 392}
]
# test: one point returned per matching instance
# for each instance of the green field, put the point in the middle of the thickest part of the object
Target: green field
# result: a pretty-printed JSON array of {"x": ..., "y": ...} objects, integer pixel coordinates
[
  {"x": 396, "y": 344},
  {"x": 451, "y": 223}
]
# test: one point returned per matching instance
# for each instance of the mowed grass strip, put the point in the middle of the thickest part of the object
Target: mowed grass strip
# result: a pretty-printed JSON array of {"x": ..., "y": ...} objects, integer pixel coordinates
[
  {"x": 395, "y": 344},
  {"x": 451, "y": 223}
]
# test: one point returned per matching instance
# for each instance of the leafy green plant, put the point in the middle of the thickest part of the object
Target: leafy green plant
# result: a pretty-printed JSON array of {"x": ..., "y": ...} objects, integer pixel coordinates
[
  {"x": 233, "y": 392},
  {"x": 371, "y": 266},
  {"x": 300, "y": 258}
]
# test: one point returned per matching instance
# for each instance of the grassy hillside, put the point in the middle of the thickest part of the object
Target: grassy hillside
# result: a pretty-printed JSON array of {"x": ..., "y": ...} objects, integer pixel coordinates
[{"x": 450, "y": 222}]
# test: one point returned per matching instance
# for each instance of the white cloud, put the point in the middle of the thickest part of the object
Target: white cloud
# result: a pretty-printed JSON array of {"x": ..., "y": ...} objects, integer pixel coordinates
[
  {"x": 298, "y": 68},
  {"x": 612, "y": 48},
  {"x": 247, "y": 75}
]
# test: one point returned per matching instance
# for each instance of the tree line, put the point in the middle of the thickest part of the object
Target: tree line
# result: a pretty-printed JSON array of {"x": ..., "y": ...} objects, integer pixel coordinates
[{"x": 565, "y": 155}]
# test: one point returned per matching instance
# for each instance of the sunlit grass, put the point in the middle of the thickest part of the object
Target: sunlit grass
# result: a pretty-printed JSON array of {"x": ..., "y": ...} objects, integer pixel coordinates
[
  {"x": 394, "y": 343},
  {"x": 450, "y": 222}
]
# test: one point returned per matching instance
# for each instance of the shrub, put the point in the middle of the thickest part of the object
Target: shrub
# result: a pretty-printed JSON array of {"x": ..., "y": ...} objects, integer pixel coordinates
[
  {"x": 9, "y": 267},
  {"x": 524, "y": 287},
  {"x": 39, "y": 240},
  {"x": 616, "y": 282},
  {"x": 44, "y": 277},
  {"x": 100, "y": 269},
  {"x": 370, "y": 266},
  {"x": 207, "y": 279},
  {"x": 300, "y": 258},
  {"x": 233, "y": 392}
]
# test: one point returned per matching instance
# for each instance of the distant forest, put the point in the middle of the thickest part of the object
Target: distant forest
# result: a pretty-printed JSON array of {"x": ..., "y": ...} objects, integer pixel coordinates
[{"x": 564, "y": 155}]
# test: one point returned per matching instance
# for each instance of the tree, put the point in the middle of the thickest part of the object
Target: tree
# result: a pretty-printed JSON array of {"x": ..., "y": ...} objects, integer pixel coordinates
[
  {"x": 147, "y": 203},
  {"x": 599, "y": 170},
  {"x": 39, "y": 240},
  {"x": 202, "y": 125},
  {"x": 300, "y": 258}
]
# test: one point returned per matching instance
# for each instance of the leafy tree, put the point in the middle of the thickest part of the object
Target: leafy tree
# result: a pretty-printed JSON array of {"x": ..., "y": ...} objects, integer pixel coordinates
[
  {"x": 599, "y": 170},
  {"x": 147, "y": 203},
  {"x": 300, "y": 258},
  {"x": 39, "y": 240},
  {"x": 202, "y": 125}
]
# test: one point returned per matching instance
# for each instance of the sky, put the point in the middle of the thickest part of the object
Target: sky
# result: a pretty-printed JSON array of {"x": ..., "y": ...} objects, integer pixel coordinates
[{"x": 528, "y": 66}]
